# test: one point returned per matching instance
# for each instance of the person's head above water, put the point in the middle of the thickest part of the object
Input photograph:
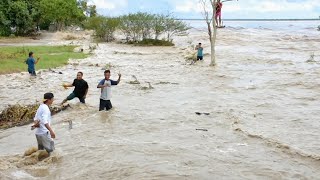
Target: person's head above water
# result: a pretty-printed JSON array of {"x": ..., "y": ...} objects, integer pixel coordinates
[
  {"x": 107, "y": 74},
  {"x": 79, "y": 75},
  {"x": 30, "y": 54},
  {"x": 48, "y": 98}
]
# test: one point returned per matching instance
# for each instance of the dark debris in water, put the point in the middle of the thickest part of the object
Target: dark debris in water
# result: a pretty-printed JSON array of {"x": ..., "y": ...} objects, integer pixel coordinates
[{"x": 199, "y": 113}]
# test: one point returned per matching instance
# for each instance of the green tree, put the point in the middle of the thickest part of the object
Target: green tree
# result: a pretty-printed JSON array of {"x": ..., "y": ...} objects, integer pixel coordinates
[
  {"x": 158, "y": 25},
  {"x": 104, "y": 27},
  {"x": 21, "y": 19},
  {"x": 89, "y": 10},
  {"x": 34, "y": 11},
  {"x": 141, "y": 26},
  {"x": 174, "y": 27},
  {"x": 92, "y": 11},
  {"x": 61, "y": 12},
  {"x": 4, "y": 21},
  {"x": 125, "y": 27}
]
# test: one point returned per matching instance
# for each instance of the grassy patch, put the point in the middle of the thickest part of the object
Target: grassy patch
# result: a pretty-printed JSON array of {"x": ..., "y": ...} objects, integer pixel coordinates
[
  {"x": 152, "y": 42},
  {"x": 12, "y": 59}
]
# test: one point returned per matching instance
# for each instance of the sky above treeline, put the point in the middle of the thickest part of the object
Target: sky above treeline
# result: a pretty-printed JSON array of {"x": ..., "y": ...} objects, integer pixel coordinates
[{"x": 241, "y": 9}]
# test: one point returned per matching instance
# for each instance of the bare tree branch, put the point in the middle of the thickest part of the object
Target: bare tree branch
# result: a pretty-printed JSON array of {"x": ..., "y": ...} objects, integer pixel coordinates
[{"x": 211, "y": 25}]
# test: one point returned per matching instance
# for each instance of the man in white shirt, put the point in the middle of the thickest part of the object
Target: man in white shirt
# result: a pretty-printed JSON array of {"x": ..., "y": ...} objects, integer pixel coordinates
[
  {"x": 44, "y": 133},
  {"x": 105, "y": 86}
]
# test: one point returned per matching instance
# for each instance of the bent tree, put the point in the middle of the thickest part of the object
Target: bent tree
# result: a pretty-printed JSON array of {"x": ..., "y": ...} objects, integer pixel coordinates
[{"x": 211, "y": 25}]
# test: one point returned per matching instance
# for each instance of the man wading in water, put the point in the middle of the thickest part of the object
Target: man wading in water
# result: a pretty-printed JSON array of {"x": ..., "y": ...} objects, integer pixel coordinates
[
  {"x": 105, "y": 86},
  {"x": 42, "y": 120},
  {"x": 199, "y": 49},
  {"x": 31, "y": 64},
  {"x": 80, "y": 89}
]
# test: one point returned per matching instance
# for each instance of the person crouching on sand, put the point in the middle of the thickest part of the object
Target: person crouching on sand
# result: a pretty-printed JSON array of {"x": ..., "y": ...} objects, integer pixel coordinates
[
  {"x": 80, "y": 89},
  {"x": 105, "y": 85},
  {"x": 42, "y": 120}
]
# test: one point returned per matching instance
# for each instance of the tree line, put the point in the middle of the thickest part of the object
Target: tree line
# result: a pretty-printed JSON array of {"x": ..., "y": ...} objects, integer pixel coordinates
[
  {"x": 24, "y": 17},
  {"x": 137, "y": 27}
]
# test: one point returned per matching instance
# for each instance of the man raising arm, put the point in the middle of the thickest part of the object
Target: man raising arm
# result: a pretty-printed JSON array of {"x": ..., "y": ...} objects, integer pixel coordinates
[{"x": 105, "y": 86}]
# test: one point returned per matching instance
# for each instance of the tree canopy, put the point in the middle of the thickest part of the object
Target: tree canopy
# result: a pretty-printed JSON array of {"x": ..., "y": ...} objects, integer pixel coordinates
[{"x": 22, "y": 17}]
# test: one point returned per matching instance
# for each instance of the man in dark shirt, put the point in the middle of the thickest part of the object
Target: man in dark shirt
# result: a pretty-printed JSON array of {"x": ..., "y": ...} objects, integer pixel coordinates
[{"x": 80, "y": 89}]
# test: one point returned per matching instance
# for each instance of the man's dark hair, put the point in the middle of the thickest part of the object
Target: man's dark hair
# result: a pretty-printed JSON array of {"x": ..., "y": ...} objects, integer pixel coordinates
[
  {"x": 30, "y": 54},
  {"x": 199, "y": 43},
  {"x": 47, "y": 96},
  {"x": 80, "y": 73},
  {"x": 107, "y": 71}
]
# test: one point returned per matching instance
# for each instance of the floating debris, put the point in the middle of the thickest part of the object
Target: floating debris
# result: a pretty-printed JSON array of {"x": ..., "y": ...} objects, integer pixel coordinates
[
  {"x": 199, "y": 113},
  {"x": 53, "y": 71},
  {"x": 202, "y": 129},
  {"x": 191, "y": 56},
  {"x": 147, "y": 88},
  {"x": 19, "y": 115},
  {"x": 164, "y": 82},
  {"x": 135, "y": 80},
  {"x": 311, "y": 59},
  {"x": 70, "y": 124}
]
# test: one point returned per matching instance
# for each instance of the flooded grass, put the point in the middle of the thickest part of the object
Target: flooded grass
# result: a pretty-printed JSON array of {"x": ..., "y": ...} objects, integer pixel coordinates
[{"x": 13, "y": 59}]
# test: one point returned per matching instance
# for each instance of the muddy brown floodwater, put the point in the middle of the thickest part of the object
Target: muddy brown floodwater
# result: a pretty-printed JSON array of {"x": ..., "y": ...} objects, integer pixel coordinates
[{"x": 262, "y": 105}]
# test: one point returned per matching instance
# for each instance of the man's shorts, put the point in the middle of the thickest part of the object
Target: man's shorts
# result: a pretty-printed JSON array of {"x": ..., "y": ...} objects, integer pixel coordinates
[
  {"x": 72, "y": 96},
  {"x": 199, "y": 58},
  {"x": 218, "y": 14},
  {"x": 32, "y": 72},
  {"x": 105, "y": 104},
  {"x": 45, "y": 142}
]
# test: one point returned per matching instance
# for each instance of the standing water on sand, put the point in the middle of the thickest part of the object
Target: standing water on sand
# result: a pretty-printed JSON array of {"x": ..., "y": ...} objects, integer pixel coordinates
[{"x": 262, "y": 102}]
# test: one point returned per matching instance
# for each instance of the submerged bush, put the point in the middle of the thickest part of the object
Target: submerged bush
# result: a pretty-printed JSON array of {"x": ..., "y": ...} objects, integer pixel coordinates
[
  {"x": 152, "y": 42},
  {"x": 140, "y": 26},
  {"x": 19, "y": 115},
  {"x": 104, "y": 27}
]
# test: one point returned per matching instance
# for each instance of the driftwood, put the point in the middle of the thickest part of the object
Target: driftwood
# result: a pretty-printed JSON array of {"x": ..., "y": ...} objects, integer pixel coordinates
[{"x": 19, "y": 115}]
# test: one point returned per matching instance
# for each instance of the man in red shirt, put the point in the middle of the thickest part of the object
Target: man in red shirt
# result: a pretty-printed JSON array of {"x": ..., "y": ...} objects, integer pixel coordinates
[{"x": 218, "y": 13}]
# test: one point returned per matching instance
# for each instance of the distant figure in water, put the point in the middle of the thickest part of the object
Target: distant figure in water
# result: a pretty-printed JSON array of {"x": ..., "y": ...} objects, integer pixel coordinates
[
  {"x": 105, "y": 85},
  {"x": 80, "y": 89},
  {"x": 199, "y": 48},
  {"x": 218, "y": 13},
  {"x": 31, "y": 64},
  {"x": 42, "y": 120}
]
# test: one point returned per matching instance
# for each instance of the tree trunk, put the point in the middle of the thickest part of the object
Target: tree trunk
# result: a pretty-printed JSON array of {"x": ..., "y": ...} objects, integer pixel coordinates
[{"x": 213, "y": 34}]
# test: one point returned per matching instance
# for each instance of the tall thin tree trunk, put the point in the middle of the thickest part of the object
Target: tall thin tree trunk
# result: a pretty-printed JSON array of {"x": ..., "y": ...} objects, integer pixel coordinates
[{"x": 213, "y": 34}]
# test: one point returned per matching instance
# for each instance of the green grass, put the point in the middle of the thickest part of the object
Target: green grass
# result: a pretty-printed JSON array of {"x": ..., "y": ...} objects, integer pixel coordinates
[{"x": 12, "y": 59}]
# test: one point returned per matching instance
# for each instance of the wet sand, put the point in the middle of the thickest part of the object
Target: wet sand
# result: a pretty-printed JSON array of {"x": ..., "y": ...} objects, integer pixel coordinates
[{"x": 263, "y": 100}]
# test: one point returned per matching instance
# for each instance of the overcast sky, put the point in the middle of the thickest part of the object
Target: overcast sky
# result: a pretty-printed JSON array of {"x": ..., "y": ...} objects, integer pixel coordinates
[{"x": 236, "y": 9}]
